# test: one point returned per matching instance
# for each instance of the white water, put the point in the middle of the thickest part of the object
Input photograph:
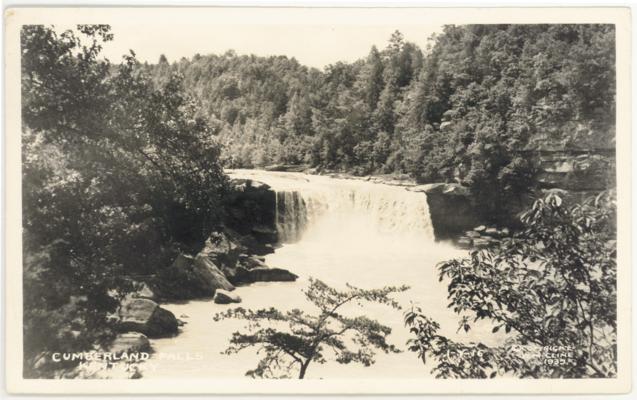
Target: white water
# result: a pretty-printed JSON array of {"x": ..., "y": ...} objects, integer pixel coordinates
[{"x": 340, "y": 231}]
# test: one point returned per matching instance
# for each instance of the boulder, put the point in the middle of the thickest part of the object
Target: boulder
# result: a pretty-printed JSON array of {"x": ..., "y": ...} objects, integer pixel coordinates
[
  {"x": 129, "y": 342},
  {"x": 464, "y": 242},
  {"x": 211, "y": 276},
  {"x": 481, "y": 243},
  {"x": 225, "y": 297},
  {"x": 265, "y": 274},
  {"x": 492, "y": 232},
  {"x": 472, "y": 234},
  {"x": 253, "y": 262},
  {"x": 223, "y": 248},
  {"x": 144, "y": 292},
  {"x": 190, "y": 277},
  {"x": 147, "y": 317},
  {"x": 480, "y": 228}
]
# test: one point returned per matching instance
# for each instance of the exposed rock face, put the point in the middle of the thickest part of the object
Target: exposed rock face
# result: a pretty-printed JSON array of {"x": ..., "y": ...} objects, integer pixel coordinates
[
  {"x": 130, "y": 342},
  {"x": 575, "y": 171},
  {"x": 450, "y": 207},
  {"x": 211, "y": 276},
  {"x": 145, "y": 316},
  {"x": 225, "y": 297},
  {"x": 251, "y": 212}
]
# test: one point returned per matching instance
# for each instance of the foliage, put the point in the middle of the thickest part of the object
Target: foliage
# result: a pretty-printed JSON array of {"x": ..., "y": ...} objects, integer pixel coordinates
[
  {"x": 118, "y": 175},
  {"x": 307, "y": 338},
  {"x": 553, "y": 284},
  {"x": 464, "y": 112}
]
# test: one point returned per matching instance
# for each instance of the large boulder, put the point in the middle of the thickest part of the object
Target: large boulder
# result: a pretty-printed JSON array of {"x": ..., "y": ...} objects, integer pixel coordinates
[
  {"x": 191, "y": 277},
  {"x": 130, "y": 342},
  {"x": 210, "y": 275},
  {"x": 147, "y": 317},
  {"x": 223, "y": 248},
  {"x": 262, "y": 274},
  {"x": 225, "y": 297}
]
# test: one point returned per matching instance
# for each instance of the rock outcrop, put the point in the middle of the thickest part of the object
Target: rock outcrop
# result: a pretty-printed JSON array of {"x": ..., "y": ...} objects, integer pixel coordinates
[
  {"x": 450, "y": 207},
  {"x": 147, "y": 317},
  {"x": 251, "y": 214},
  {"x": 482, "y": 237},
  {"x": 264, "y": 274},
  {"x": 225, "y": 297},
  {"x": 130, "y": 342},
  {"x": 223, "y": 249},
  {"x": 190, "y": 277}
]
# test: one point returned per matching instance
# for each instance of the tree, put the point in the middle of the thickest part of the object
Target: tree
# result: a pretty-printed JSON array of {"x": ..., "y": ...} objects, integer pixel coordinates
[
  {"x": 118, "y": 176},
  {"x": 552, "y": 284},
  {"x": 307, "y": 338}
]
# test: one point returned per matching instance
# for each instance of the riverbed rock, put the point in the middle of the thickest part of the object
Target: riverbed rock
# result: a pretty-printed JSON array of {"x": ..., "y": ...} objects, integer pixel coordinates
[
  {"x": 265, "y": 274},
  {"x": 464, "y": 242},
  {"x": 251, "y": 262},
  {"x": 147, "y": 317},
  {"x": 492, "y": 232},
  {"x": 225, "y": 297},
  {"x": 481, "y": 243},
  {"x": 129, "y": 342}
]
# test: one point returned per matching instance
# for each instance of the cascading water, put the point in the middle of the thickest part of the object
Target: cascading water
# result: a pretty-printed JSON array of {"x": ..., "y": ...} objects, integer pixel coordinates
[
  {"x": 339, "y": 231},
  {"x": 291, "y": 216},
  {"x": 347, "y": 206}
]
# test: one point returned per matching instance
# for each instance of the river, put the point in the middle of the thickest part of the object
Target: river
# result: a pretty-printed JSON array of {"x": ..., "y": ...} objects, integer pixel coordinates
[{"x": 340, "y": 231}]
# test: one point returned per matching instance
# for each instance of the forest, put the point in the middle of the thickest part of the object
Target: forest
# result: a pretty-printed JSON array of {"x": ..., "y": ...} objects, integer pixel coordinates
[
  {"x": 123, "y": 163},
  {"x": 463, "y": 110}
]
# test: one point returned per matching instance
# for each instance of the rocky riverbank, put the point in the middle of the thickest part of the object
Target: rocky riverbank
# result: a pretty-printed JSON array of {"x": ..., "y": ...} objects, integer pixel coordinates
[{"x": 232, "y": 256}]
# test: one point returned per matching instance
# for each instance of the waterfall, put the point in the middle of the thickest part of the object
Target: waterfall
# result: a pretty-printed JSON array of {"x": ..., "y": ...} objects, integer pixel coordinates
[
  {"x": 291, "y": 215},
  {"x": 334, "y": 209}
]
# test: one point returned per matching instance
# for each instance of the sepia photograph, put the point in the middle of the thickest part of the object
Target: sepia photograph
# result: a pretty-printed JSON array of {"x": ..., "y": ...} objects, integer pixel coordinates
[{"x": 333, "y": 199}]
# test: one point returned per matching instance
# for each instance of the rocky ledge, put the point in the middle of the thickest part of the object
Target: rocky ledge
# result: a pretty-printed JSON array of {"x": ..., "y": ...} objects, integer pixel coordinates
[
  {"x": 450, "y": 207},
  {"x": 482, "y": 237}
]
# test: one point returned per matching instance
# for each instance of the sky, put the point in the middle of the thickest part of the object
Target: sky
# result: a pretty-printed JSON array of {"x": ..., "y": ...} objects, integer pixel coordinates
[{"x": 312, "y": 45}]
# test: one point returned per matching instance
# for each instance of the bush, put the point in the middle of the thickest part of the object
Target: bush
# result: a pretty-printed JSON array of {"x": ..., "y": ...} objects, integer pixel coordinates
[{"x": 553, "y": 284}]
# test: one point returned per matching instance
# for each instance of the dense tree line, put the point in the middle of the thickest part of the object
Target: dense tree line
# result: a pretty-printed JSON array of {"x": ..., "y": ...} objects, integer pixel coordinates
[
  {"x": 459, "y": 111},
  {"x": 118, "y": 176}
]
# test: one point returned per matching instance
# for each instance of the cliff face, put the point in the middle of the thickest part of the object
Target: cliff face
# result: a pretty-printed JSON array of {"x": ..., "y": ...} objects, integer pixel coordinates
[{"x": 574, "y": 174}]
